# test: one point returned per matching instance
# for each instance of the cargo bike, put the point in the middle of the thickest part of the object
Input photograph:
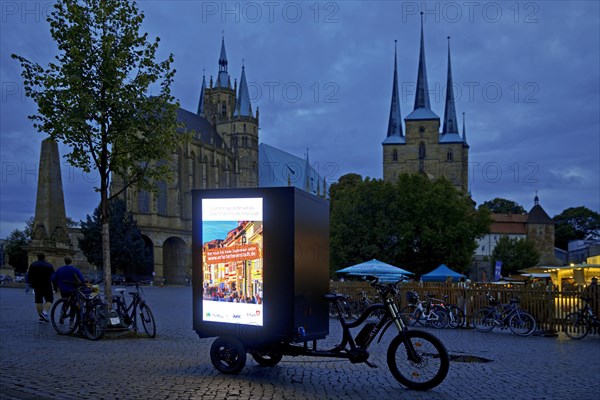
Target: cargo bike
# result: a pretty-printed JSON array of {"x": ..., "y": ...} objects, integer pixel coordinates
[
  {"x": 261, "y": 287},
  {"x": 417, "y": 359}
]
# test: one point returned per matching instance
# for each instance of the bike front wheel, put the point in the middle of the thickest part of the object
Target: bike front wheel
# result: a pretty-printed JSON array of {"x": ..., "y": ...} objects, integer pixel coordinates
[
  {"x": 576, "y": 326},
  {"x": 522, "y": 323},
  {"x": 484, "y": 320},
  {"x": 64, "y": 316},
  {"x": 95, "y": 321},
  {"x": 418, "y": 360},
  {"x": 438, "y": 318},
  {"x": 147, "y": 319}
]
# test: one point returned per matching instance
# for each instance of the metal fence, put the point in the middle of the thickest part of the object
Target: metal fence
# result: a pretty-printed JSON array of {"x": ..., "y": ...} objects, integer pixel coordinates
[{"x": 547, "y": 305}]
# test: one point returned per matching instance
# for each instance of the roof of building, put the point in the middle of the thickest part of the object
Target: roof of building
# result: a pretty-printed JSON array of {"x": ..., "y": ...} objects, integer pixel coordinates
[
  {"x": 450, "y": 122},
  {"x": 205, "y": 132},
  {"x": 395, "y": 122},
  {"x": 451, "y": 138},
  {"x": 537, "y": 215},
  {"x": 243, "y": 107},
  {"x": 515, "y": 224},
  {"x": 279, "y": 168}
]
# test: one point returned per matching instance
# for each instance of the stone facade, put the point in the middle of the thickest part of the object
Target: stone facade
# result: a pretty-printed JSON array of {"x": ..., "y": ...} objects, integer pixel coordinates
[{"x": 222, "y": 154}]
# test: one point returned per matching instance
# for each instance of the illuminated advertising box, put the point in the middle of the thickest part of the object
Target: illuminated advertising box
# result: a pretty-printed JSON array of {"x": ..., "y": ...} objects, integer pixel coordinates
[{"x": 260, "y": 264}]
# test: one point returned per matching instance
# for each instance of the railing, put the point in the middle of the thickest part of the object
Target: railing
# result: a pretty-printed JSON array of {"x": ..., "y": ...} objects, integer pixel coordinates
[{"x": 547, "y": 305}]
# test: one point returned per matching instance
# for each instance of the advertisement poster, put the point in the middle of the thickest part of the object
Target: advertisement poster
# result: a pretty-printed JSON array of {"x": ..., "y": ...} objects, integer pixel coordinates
[{"x": 232, "y": 263}]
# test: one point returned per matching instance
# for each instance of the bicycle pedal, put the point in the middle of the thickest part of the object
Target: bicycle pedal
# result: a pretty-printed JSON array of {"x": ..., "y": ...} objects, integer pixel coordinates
[{"x": 370, "y": 364}]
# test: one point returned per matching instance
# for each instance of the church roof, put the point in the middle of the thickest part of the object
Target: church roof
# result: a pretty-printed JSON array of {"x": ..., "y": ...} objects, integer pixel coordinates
[
  {"x": 422, "y": 109},
  {"x": 537, "y": 215},
  {"x": 451, "y": 138},
  {"x": 205, "y": 132},
  {"x": 279, "y": 168},
  {"x": 243, "y": 107},
  {"x": 394, "y": 133},
  {"x": 450, "y": 122}
]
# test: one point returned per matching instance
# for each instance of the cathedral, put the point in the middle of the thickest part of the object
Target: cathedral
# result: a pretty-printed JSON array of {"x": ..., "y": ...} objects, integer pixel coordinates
[
  {"x": 422, "y": 147},
  {"x": 222, "y": 154}
]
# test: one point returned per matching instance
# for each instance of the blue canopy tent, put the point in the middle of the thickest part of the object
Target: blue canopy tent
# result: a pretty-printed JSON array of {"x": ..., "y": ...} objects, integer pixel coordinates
[
  {"x": 376, "y": 268},
  {"x": 440, "y": 274}
]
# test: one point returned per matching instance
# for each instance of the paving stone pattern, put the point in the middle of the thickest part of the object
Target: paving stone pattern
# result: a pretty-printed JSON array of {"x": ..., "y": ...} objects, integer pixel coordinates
[{"x": 36, "y": 363}]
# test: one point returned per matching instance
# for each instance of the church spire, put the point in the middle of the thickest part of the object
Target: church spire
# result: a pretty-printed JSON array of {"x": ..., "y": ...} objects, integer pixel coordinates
[
  {"x": 450, "y": 122},
  {"x": 201, "y": 101},
  {"x": 394, "y": 133},
  {"x": 464, "y": 133},
  {"x": 422, "y": 108},
  {"x": 243, "y": 108},
  {"x": 223, "y": 76}
]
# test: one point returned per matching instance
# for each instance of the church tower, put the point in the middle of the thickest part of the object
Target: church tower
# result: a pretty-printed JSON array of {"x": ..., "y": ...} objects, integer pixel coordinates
[
  {"x": 424, "y": 149},
  {"x": 233, "y": 118}
]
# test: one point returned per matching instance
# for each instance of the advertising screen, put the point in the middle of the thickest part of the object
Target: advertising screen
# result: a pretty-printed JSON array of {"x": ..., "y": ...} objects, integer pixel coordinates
[{"x": 232, "y": 262}]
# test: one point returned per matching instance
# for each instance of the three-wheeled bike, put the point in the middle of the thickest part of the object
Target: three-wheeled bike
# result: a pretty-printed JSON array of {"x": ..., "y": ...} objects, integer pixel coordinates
[{"x": 261, "y": 287}]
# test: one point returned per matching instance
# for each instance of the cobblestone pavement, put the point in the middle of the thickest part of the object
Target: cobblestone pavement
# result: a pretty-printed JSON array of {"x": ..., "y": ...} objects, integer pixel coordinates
[{"x": 36, "y": 363}]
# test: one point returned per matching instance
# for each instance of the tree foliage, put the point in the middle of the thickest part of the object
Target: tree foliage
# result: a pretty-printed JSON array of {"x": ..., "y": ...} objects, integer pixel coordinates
[
  {"x": 15, "y": 248},
  {"x": 576, "y": 223},
  {"x": 106, "y": 98},
  {"x": 503, "y": 206},
  {"x": 128, "y": 252},
  {"x": 415, "y": 223},
  {"x": 515, "y": 254}
]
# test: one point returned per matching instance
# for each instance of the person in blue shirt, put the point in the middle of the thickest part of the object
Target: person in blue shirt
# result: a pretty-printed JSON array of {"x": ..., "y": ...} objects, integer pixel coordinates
[{"x": 67, "y": 278}]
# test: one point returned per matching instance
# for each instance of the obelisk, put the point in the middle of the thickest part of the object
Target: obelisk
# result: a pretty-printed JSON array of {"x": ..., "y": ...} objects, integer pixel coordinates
[{"x": 50, "y": 232}]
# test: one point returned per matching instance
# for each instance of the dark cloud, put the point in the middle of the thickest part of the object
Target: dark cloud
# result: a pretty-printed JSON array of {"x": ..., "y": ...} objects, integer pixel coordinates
[{"x": 526, "y": 74}]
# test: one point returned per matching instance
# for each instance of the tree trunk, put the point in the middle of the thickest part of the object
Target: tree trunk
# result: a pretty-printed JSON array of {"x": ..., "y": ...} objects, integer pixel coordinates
[{"x": 106, "y": 262}]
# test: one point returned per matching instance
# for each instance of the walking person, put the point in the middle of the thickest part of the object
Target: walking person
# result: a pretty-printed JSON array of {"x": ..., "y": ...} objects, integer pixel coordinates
[
  {"x": 40, "y": 275},
  {"x": 67, "y": 278}
]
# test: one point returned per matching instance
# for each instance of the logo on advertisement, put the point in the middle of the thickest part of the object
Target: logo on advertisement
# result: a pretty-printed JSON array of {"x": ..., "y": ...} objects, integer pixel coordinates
[
  {"x": 258, "y": 312},
  {"x": 237, "y": 316}
]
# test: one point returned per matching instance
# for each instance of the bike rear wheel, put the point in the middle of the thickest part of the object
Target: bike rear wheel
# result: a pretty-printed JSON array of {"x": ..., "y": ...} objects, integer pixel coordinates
[
  {"x": 439, "y": 319},
  {"x": 429, "y": 366},
  {"x": 411, "y": 315},
  {"x": 95, "y": 321},
  {"x": 147, "y": 319},
  {"x": 64, "y": 316},
  {"x": 576, "y": 326},
  {"x": 522, "y": 323},
  {"x": 484, "y": 320},
  {"x": 456, "y": 317}
]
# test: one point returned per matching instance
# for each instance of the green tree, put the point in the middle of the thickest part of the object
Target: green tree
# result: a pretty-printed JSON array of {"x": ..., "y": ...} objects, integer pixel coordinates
[
  {"x": 96, "y": 99},
  {"x": 515, "y": 254},
  {"x": 414, "y": 223},
  {"x": 15, "y": 248},
  {"x": 575, "y": 223},
  {"x": 128, "y": 251},
  {"x": 503, "y": 206}
]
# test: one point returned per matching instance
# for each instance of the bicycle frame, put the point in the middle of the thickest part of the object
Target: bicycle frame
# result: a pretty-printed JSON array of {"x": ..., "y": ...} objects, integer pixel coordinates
[{"x": 125, "y": 310}]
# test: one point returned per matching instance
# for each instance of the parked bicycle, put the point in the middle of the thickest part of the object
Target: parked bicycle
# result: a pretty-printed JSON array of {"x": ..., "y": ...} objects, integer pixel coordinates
[
  {"x": 579, "y": 323},
  {"x": 126, "y": 316},
  {"x": 510, "y": 316},
  {"x": 423, "y": 312},
  {"x": 83, "y": 311},
  {"x": 359, "y": 306},
  {"x": 456, "y": 316},
  {"x": 417, "y": 359}
]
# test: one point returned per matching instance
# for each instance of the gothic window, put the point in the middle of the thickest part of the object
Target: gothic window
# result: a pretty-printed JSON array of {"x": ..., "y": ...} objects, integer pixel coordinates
[
  {"x": 244, "y": 127},
  {"x": 395, "y": 155},
  {"x": 449, "y": 155},
  {"x": 422, "y": 157},
  {"x": 421, "y": 129},
  {"x": 233, "y": 128},
  {"x": 244, "y": 141},
  {"x": 223, "y": 110},
  {"x": 144, "y": 202},
  {"x": 161, "y": 201}
]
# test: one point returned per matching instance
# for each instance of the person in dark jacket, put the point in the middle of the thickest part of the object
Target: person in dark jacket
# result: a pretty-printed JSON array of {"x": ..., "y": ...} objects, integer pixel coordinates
[
  {"x": 40, "y": 275},
  {"x": 67, "y": 278}
]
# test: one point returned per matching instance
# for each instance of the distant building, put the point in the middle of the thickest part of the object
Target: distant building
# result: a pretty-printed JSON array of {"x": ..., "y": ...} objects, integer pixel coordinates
[
  {"x": 581, "y": 250},
  {"x": 424, "y": 149},
  {"x": 536, "y": 226}
]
